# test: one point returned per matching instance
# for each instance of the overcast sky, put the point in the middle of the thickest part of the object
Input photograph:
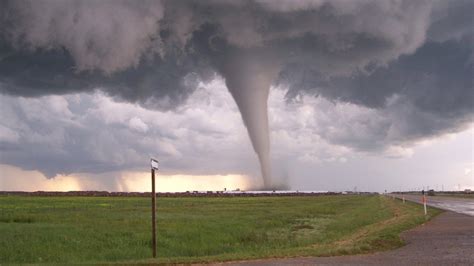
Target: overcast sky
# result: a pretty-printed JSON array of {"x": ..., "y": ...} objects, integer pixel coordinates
[{"x": 371, "y": 95}]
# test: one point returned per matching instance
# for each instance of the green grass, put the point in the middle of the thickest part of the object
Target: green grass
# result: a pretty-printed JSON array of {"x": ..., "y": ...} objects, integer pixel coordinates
[{"x": 106, "y": 229}]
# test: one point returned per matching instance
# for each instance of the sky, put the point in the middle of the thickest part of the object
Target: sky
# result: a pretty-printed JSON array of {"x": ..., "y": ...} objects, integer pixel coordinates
[{"x": 303, "y": 95}]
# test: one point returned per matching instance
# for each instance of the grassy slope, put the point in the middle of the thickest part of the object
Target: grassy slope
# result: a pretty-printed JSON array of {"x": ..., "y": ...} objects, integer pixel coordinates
[{"x": 86, "y": 229}]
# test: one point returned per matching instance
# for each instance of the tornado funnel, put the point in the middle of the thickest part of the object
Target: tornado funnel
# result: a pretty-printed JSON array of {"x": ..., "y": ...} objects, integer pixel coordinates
[{"x": 248, "y": 79}]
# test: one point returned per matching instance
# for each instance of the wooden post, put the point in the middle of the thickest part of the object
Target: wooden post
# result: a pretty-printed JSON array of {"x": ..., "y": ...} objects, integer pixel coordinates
[{"x": 153, "y": 211}]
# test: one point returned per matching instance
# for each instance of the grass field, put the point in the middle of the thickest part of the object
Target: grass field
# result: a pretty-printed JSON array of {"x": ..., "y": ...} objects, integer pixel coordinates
[{"x": 117, "y": 229}]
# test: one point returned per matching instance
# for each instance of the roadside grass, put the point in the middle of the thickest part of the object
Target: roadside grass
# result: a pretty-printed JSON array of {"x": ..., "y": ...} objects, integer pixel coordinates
[{"x": 110, "y": 230}]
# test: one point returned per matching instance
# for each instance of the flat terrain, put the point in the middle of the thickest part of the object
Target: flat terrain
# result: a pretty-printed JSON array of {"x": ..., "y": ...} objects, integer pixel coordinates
[
  {"x": 448, "y": 239},
  {"x": 117, "y": 229}
]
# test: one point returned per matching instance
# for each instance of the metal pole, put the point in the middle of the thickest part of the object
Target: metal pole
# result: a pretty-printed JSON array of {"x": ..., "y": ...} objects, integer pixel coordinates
[{"x": 153, "y": 211}]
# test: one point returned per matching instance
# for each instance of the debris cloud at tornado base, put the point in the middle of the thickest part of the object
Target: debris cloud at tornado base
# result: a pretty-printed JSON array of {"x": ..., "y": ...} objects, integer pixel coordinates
[{"x": 370, "y": 53}]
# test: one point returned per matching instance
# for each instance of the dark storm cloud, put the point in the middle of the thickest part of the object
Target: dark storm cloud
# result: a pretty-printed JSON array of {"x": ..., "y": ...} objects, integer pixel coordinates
[
  {"x": 156, "y": 49},
  {"x": 436, "y": 81},
  {"x": 156, "y": 83},
  {"x": 411, "y": 60},
  {"x": 92, "y": 50}
]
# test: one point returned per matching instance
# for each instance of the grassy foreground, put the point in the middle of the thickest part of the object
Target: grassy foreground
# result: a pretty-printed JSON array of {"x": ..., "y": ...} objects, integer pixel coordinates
[{"x": 95, "y": 229}]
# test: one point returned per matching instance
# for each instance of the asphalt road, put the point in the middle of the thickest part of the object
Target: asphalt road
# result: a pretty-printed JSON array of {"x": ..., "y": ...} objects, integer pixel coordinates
[{"x": 459, "y": 205}]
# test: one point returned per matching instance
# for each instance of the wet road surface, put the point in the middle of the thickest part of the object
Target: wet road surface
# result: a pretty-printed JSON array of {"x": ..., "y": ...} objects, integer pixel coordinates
[
  {"x": 459, "y": 205},
  {"x": 447, "y": 239}
]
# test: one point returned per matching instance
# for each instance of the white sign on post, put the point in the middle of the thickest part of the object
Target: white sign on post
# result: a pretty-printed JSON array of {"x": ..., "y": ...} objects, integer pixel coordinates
[{"x": 154, "y": 164}]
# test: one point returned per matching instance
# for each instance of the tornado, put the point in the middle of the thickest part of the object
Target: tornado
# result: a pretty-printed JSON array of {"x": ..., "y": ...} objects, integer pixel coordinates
[{"x": 248, "y": 77}]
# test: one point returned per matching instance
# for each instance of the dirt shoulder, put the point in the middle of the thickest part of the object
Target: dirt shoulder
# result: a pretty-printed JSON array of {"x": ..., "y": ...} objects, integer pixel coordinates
[{"x": 448, "y": 239}]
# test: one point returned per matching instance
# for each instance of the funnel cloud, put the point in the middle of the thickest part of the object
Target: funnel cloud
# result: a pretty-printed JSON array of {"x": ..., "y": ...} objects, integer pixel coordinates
[{"x": 248, "y": 77}]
